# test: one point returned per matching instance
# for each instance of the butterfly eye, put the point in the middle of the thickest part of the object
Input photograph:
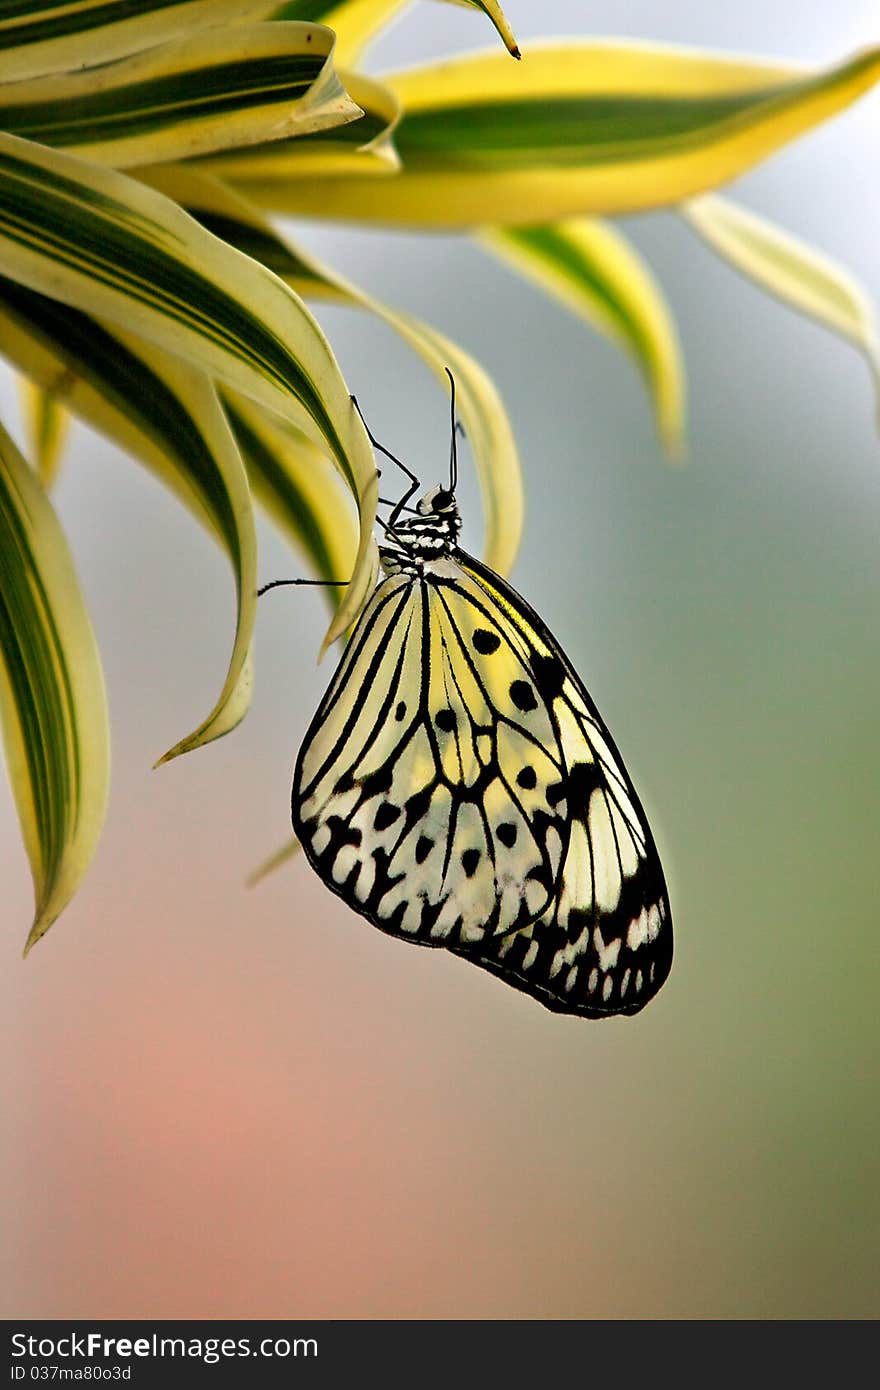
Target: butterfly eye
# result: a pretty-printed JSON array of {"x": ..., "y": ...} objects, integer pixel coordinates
[{"x": 438, "y": 500}]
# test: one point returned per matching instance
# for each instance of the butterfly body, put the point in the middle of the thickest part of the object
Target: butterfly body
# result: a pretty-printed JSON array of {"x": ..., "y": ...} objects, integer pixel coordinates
[{"x": 458, "y": 788}]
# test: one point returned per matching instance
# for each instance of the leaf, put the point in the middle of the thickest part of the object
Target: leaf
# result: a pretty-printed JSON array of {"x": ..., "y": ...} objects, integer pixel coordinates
[
  {"x": 594, "y": 272},
  {"x": 223, "y": 211},
  {"x": 796, "y": 273},
  {"x": 47, "y": 424},
  {"x": 123, "y": 253},
  {"x": 38, "y": 38},
  {"x": 497, "y": 16},
  {"x": 579, "y": 128},
  {"x": 234, "y": 87},
  {"x": 287, "y": 851},
  {"x": 358, "y": 22},
  {"x": 226, "y": 491},
  {"x": 166, "y": 414},
  {"x": 359, "y": 147},
  {"x": 52, "y": 700}
]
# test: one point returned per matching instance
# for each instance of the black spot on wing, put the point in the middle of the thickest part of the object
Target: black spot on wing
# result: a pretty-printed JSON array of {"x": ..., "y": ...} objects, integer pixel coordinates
[
  {"x": 555, "y": 793},
  {"x": 400, "y": 711},
  {"x": 469, "y": 861},
  {"x": 341, "y": 833},
  {"x": 486, "y": 642},
  {"x": 423, "y": 848},
  {"x": 523, "y": 696},
  {"x": 378, "y": 782},
  {"x": 582, "y": 780},
  {"x": 549, "y": 673},
  {"x": 417, "y": 805},
  {"x": 527, "y": 777},
  {"x": 445, "y": 720},
  {"x": 506, "y": 833},
  {"x": 430, "y": 913},
  {"x": 385, "y": 816}
]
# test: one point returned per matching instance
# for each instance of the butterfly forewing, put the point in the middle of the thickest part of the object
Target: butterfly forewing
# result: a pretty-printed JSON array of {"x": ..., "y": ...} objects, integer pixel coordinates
[{"x": 427, "y": 790}]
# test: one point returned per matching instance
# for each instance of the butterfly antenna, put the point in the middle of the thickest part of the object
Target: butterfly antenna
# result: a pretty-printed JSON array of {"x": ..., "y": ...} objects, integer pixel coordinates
[
  {"x": 413, "y": 480},
  {"x": 453, "y": 446},
  {"x": 279, "y": 583}
]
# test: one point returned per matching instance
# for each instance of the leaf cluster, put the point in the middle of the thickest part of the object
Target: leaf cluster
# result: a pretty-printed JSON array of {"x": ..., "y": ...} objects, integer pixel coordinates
[{"x": 146, "y": 290}]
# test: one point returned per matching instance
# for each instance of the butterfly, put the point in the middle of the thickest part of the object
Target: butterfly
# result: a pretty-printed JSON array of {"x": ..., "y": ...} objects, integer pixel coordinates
[{"x": 459, "y": 789}]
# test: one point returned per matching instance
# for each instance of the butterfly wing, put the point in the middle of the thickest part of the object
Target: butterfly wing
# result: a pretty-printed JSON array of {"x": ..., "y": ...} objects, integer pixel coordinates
[
  {"x": 423, "y": 796},
  {"x": 604, "y": 944}
]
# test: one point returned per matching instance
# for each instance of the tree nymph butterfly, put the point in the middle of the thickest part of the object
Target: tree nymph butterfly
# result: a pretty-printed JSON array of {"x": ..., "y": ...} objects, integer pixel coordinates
[{"x": 458, "y": 788}]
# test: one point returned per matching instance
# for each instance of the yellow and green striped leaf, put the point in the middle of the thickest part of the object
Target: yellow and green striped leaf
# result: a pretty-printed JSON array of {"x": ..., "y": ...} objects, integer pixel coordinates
[
  {"x": 47, "y": 425},
  {"x": 364, "y": 146},
  {"x": 796, "y": 273},
  {"x": 577, "y": 128},
  {"x": 224, "y": 212},
  {"x": 236, "y": 86},
  {"x": 595, "y": 272},
  {"x": 122, "y": 252},
  {"x": 164, "y": 413},
  {"x": 52, "y": 700},
  {"x": 42, "y": 36}
]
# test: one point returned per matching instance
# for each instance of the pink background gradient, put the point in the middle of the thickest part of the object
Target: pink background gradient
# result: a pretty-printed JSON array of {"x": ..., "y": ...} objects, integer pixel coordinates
[{"x": 227, "y": 1102}]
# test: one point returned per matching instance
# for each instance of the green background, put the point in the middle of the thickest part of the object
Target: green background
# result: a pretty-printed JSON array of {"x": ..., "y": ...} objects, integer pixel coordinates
[{"x": 247, "y": 1102}]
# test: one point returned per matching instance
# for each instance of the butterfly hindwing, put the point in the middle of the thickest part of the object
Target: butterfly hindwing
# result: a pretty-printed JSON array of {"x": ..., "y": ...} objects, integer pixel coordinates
[{"x": 427, "y": 789}]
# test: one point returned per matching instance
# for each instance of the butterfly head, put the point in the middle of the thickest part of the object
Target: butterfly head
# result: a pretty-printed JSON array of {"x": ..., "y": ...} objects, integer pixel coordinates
[
  {"x": 429, "y": 533},
  {"x": 440, "y": 501}
]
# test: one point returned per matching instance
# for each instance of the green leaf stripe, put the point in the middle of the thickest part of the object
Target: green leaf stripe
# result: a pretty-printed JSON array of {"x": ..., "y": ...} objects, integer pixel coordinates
[
  {"x": 309, "y": 11},
  {"x": 255, "y": 241},
  {"x": 32, "y": 647},
  {"x": 143, "y": 108},
  {"x": 565, "y": 131}
]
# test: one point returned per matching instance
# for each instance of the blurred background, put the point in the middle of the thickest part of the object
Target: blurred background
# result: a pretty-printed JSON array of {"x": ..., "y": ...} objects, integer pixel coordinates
[{"x": 247, "y": 1102}]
